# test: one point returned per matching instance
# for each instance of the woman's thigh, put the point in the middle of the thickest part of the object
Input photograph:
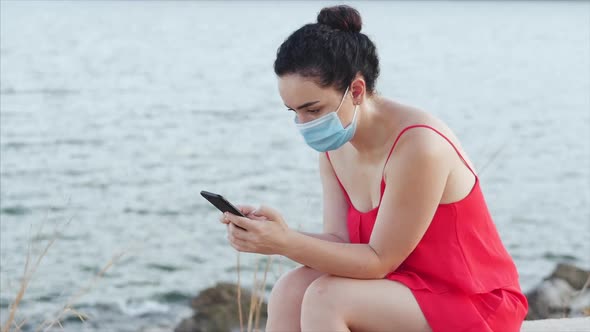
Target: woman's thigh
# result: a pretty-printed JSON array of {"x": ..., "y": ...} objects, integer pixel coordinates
[{"x": 366, "y": 305}]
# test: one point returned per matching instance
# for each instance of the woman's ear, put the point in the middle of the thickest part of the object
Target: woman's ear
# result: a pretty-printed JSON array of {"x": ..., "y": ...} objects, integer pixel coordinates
[{"x": 358, "y": 89}]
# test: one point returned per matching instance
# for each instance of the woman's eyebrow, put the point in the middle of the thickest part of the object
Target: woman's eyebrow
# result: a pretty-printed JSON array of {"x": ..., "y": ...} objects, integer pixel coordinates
[{"x": 304, "y": 105}]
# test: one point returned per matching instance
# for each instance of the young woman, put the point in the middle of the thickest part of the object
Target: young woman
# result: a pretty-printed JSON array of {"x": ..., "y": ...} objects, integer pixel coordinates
[{"x": 408, "y": 242}]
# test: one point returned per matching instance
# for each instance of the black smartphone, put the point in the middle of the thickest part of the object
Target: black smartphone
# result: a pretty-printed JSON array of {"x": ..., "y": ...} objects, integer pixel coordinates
[{"x": 221, "y": 203}]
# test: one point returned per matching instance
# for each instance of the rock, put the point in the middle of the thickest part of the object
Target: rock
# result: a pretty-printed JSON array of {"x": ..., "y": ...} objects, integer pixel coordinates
[
  {"x": 187, "y": 325},
  {"x": 216, "y": 310},
  {"x": 550, "y": 299},
  {"x": 560, "y": 294},
  {"x": 575, "y": 276},
  {"x": 162, "y": 328}
]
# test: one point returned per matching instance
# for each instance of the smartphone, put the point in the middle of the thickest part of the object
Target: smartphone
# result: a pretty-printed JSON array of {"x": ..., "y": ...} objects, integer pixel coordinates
[{"x": 221, "y": 203}]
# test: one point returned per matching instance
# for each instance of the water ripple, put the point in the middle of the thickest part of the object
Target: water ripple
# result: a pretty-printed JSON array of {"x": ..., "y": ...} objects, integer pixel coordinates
[
  {"x": 172, "y": 297},
  {"x": 15, "y": 210},
  {"x": 163, "y": 267},
  {"x": 41, "y": 91}
]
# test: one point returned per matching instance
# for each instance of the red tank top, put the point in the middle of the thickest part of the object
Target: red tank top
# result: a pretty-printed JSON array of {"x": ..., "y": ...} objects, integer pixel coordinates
[{"x": 461, "y": 250}]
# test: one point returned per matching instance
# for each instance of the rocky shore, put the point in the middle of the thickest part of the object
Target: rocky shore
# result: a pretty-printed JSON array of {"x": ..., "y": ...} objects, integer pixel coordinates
[{"x": 561, "y": 302}]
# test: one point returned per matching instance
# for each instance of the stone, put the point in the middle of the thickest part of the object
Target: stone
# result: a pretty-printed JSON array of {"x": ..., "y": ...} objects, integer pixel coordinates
[
  {"x": 561, "y": 294},
  {"x": 574, "y": 275},
  {"x": 550, "y": 299},
  {"x": 216, "y": 310},
  {"x": 188, "y": 325}
]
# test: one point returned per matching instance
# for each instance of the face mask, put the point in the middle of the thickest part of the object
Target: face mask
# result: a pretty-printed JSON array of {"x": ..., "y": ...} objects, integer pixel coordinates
[{"x": 327, "y": 133}]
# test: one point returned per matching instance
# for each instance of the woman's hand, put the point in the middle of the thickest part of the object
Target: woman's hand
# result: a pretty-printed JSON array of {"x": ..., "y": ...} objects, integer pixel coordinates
[
  {"x": 246, "y": 210},
  {"x": 264, "y": 230}
]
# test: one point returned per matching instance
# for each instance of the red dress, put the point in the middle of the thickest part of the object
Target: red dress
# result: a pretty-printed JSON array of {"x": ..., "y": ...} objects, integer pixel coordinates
[{"x": 460, "y": 273}]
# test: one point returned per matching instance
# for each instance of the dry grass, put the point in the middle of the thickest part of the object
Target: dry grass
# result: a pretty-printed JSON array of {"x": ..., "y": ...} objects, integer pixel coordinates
[
  {"x": 586, "y": 285},
  {"x": 11, "y": 324},
  {"x": 493, "y": 157},
  {"x": 240, "y": 295},
  {"x": 27, "y": 276},
  {"x": 47, "y": 324},
  {"x": 256, "y": 298},
  {"x": 262, "y": 289}
]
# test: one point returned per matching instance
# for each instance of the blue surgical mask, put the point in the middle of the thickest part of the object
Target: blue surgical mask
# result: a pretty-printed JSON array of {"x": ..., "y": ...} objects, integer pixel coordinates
[{"x": 327, "y": 133}]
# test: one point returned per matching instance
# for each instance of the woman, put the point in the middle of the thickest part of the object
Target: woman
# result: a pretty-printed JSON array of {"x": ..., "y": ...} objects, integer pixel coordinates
[{"x": 408, "y": 242}]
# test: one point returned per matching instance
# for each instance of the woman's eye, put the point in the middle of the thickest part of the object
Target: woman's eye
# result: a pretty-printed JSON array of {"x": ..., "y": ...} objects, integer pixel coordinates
[{"x": 313, "y": 111}]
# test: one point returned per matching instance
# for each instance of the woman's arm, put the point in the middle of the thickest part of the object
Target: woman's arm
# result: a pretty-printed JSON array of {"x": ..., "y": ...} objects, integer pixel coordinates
[
  {"x": 416, "y": 176},
  {"x": 324, "y": 236},
  {"x": 415, "y": 180}
]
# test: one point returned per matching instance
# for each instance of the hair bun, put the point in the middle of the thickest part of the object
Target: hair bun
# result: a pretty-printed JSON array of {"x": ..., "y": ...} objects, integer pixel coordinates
[{"x": 341, "y": 17}]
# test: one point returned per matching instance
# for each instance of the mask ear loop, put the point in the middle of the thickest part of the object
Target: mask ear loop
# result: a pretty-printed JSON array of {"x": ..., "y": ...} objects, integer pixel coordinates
[
  {"x": 355, "y": 107},
  {"x": 353, "y": 116},
  {"x": 342, "y": 101}
]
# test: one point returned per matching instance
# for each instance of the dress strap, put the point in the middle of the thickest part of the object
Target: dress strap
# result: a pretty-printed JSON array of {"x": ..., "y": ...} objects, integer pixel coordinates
[
  {"x": 438, "y": 132},
  {"x": 389, "y": 155},
  {"x": 340, "y": 183}
]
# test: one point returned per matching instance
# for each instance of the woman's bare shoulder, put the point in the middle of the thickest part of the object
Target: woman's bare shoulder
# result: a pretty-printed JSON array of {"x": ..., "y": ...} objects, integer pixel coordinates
[{"x": 417, "y": 116}]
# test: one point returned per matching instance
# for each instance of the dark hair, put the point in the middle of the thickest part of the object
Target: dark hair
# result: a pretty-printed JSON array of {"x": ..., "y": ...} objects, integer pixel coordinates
[{"x": 332, "y": 51}]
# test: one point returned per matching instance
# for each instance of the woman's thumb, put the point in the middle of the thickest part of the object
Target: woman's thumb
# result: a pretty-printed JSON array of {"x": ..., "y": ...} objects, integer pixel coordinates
[
  {"x": 265, "y": 211},
  {"x": 245, "y": 209}
]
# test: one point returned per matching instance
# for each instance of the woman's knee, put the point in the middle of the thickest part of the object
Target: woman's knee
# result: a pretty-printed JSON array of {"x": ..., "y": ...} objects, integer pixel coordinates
[
  {"x": 322, "y": 307},
  {"x": 320, "y": 292},
  {"x": 292, "y": 285}
]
